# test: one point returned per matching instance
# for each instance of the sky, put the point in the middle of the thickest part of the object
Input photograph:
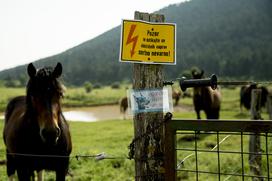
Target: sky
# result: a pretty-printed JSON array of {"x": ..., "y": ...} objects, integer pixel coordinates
[{"x": 35, "y": 29}]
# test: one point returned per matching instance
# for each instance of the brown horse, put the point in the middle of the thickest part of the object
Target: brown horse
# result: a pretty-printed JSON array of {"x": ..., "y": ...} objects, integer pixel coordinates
[
  {"x": 123, "y": 103},
  {"x": 36, "y": 133},
  {"x": 205, "y": 98},
  {"x": 176, "y": 94}
]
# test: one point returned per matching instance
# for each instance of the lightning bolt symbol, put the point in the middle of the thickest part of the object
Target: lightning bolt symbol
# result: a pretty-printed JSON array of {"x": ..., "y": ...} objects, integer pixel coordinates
[{"x": 132, "y": 39}]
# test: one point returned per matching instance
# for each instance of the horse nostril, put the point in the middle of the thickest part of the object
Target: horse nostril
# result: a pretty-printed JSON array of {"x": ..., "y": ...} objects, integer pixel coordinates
[
  {"x": 43, "y": 133},
  {"x": 58, "y": 132},
  {"x": 50, "y": 135}
]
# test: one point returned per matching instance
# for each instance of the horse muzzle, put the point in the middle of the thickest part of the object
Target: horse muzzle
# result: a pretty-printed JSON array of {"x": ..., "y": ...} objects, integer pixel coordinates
[{"x": 50, "y": 135}]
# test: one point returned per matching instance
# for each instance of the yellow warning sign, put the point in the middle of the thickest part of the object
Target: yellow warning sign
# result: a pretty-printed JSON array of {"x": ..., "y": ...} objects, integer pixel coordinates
[{"x": 148, "y": 42}]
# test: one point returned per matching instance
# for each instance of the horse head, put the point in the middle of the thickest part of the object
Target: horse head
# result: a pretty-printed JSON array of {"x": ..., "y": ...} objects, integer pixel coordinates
[
  {"x": 197, "y": 75},
  {"x": 44, "y": 92}
]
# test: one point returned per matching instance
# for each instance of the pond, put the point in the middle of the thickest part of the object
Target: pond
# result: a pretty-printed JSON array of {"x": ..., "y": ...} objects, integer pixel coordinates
[{"x": 90, "y": 114}]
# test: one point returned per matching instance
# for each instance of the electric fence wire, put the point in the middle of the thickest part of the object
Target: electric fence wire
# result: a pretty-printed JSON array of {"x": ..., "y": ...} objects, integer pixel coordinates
[
  {"x": 97, "y": 157},
  {"x": 224, "y": 139},
  {"x": 226, "y": 83},
  {"x": 190, "y": 155}
]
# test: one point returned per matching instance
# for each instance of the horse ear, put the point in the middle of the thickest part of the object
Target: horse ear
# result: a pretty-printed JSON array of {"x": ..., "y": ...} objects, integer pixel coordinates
[
  {"x": 57, "y": 71},
  {"x": 31, "y": 70},
  {"x": 193, "y": 72}
]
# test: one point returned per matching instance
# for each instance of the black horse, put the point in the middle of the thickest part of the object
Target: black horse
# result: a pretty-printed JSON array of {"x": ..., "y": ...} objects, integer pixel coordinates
[
  {"x": 36, "y": 133},
  {"x": 205, "y": 98},
  {"x": 245, "y": 95}
]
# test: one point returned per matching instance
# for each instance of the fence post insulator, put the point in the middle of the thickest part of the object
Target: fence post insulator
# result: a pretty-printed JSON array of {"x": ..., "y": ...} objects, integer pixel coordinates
[{"x": 187, "y": 83}]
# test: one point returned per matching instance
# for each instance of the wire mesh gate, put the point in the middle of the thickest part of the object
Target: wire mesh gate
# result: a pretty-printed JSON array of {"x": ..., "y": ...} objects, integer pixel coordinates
[{"x": 224, "y": 157}]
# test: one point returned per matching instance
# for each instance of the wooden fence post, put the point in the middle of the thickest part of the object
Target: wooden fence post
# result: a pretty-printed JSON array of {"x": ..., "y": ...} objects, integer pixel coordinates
[
  {"x": 170, "y": 157},
  {"x": 149, "y": 150},
  {"x": 255, "y": 160}
]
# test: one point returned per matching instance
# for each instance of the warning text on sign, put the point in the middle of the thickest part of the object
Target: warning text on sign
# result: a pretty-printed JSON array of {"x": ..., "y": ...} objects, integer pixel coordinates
[{"x": 145, "y": 42}]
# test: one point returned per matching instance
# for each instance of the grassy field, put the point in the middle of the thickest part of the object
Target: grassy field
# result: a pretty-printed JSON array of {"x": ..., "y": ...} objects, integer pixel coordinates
[
  {"x": 74, "y": 97},
  {"x": 112, "y": 137},
  {"x": 7, "y": 93}
]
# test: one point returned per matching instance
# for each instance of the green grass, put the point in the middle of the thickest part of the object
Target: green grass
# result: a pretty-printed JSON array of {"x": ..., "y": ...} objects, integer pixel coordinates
[
  {"x": 74, "y": 97},
  {"x": 110, "y": 137},
  {"x": 77, "y": 97},
  {"x": 7, "y": 93},
  {"x": 113, "y": 137}
]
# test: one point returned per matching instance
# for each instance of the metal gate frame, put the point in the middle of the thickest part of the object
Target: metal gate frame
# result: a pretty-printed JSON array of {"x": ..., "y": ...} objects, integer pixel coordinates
[{"x": 241, "y": 127}]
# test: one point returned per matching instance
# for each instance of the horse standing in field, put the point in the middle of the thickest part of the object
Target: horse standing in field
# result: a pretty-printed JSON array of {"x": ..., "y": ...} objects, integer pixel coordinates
[
  {"x": 36, "y": 133},
  {"x": 176, "y": 94},
  {"x": 123, "y": 103},
  {"x": 205, "y": 98},
  {"x": 245, "y": 95}
]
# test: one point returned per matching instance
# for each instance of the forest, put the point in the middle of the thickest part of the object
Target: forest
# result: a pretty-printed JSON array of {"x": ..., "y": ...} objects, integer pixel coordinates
[{"x": 230, "y": 38}]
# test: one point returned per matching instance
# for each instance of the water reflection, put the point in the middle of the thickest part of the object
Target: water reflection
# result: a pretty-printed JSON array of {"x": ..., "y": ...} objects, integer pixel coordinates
[
  {"x": 79, "y": 116},
  {"x": 90, "y": 114},
  {"x": 75, "y": 116}
]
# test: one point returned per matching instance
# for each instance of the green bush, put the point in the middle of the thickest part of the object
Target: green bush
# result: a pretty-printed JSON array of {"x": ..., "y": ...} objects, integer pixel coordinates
[
  {"x": 115, "y": 85},
  {"x": 88, "y": 87}
]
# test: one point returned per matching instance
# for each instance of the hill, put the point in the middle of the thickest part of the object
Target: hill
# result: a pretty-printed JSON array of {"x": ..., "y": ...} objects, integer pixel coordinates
[{"x": 231, "y": 38}]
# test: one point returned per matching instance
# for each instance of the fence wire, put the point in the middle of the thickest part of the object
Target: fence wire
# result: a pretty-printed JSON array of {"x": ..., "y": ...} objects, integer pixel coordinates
[{"x": 97, "y": 157}]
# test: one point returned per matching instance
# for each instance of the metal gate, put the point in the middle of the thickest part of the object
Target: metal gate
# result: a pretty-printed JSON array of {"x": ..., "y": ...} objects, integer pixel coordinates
[{"x": 189, "y": 157}]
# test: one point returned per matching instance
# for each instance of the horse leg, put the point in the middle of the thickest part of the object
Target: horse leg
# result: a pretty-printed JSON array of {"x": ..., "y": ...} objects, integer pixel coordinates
[
  {"x": 25, "y": 174},
  {"x": 212, "y": 114},
  {"x": 11, "y": 178},
  {"x": 60, "y": 175},
  {"x": 198, "y": 114},
  {"x": 176, "y": 102},
  {"x": 124, "y": 115},
  {"x": 216, "y": 114},
  {"x": 40, "y": 175},
  {"x": 10, "y": 166}
]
